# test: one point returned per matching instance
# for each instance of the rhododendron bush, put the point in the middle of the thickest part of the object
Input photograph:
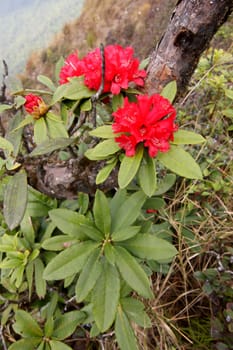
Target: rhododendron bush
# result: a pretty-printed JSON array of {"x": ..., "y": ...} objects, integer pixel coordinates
[{"x": 103, "y": 246}]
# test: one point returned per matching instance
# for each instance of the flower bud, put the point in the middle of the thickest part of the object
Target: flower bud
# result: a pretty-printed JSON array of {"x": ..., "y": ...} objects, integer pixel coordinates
[{"x": 35, "y": 106}]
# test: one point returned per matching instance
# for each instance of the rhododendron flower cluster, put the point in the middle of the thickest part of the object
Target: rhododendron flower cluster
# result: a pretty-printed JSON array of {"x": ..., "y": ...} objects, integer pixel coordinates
[
  {"x": 35, "y": 105},
  {"x": 150, "y": 120},
  {"x": 121, "y": 69}
]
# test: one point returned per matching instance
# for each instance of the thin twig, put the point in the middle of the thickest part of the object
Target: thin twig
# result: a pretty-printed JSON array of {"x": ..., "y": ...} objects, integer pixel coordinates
[
  {"x": 4, "y": 76},
  {"x": 2, "y": 338},
  {"x": 96, "y": 96}
]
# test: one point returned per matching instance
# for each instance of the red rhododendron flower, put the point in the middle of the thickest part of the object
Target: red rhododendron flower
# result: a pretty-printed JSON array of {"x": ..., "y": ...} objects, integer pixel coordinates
[
  {"x": 35, "y": 105},
  {"x": 121, "y": 69},
  {"x": 149, "y": 120},
  {"x": 73, "y": 67}
]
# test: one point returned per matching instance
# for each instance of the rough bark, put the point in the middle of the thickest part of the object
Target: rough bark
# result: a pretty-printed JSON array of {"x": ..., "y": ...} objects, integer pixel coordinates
[{"x": 189, "y": 32}]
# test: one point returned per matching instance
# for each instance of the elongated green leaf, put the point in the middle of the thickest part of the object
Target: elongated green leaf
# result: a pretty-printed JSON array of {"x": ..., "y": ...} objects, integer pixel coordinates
[
  {"x": 132, "y": 272},
  {"x": 57, "y": 345},
  {"x": 101, "y": 212},
  {"x": 169, "y": 91},
  {"x": 229, "y": 93},
  {"x": 147, "y": 176},
  {"x": 187, "y": 137},
  {"x": 4, "y": 107},
  {"x": 28, "y": 120},
  {"x": 76, "y": 90},
  {"x": 58, "y": 242},
  {"x": 56, "y": 127},
  {"x": 6, "y": 145},
  {"x": 165, "y": 184},
  {"x": 104, "y": 131},
  {"x": 154, "y": 203},
  {"x": 49, "y": 327},
  {"x": 46, "y": 81},
  {"x": 102, "y": 150},
  {"x": 15, "y": 137},
  {"x": 25, "y": 344},
  {"x": 89, "y": 275},
  {"x": 51, "y": 145},
  {"x": 124, "y": 332},
  {"x": 15, "y": 200},
  {"x": 134, "y": 309},
  {"x": 66, "y": 324},
  {"x": 104, "y": 173},
  {"x": 129, "y": 167},
  {"x": 127, "y": 213},
  {"x": 40, "y": 131},
  {"x": 69, "y": 262},
  {"x": 68, "y": 221},
  {"x": 180, "y": 162},
  {"x": 147, "y": 246},
  {"x": 125, "y": 233},
  {"x": 40, "y": 283},
  {"x": 25, "y": 325},
  {"x": 105, "y": 296}
]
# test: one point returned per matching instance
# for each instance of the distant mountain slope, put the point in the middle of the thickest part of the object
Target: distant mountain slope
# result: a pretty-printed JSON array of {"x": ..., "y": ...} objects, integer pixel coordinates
[
  {"x": 139, "y": 23},
  {"x": 28, "y": 25}
]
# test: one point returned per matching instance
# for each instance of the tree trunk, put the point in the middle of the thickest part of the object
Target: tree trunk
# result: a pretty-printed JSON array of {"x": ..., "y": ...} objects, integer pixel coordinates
[{"x": 191, "y": 28}]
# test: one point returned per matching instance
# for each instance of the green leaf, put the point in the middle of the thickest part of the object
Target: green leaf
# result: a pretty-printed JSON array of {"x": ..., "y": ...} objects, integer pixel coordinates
[
  {"x": 75, "y": 224},
  {"x": 89, "y": 275},
  {"x": 57, "y": 345},
  {"x": 56, "y": 127},
  {"x": 101, "y": 211},
  {"x": 165, "y": 184},
  {"x": 6, "y": 145},
  {"x": 182, "y": 137},
  {"x": 15, "y": 136},
  {"x": 128, "y": 211},
  {"x": 180, "y": 162},
  {"x": 5, "y": 107},
  {"x": 69, "y": 262},
  {"x": 58, "y": 242},
  {"x": 40, "y": 131},
  {"x": 49, "y": 146},
  {"x": 129, "y": 167},
  {"x": 49, "y": 327},
  {"x": 102, "y": 150},
  {"x": 83, "y": 202},
  {"x": 105, "y": 296},
  {"x": 117, "y": 101},
  {"x": 28, "y": 120},
  {"x": 147, "y": 246},
  {"x": 66, "y": 324},
  {"x": 46, "y": 81},
  {"x": 170, "y": 90},
  {"x": 25, "y": 325},
  {"x": 15, "y": 199},
  {"x": 154, "y": 203},
  {"x": 39, "y": 281},
  {"x": 74, "y": 90},
  {"x": 124, "y": 333},
  {"x": 25, "y": 344},
  {"x": 134, "y": 309},
  {"x": 132, "y": 272},
  {"x": 86, "y": 106},
  {"x": 147, "y": 175},
  {"x": 68, "y": 222},
  {"x": 104, "y": 173},
  {"x": 125, "y": 233},
  {"x": 109, "y": 253},
  {"x": 104, "y": 132},
  {"x": 229, "y": 93}
]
